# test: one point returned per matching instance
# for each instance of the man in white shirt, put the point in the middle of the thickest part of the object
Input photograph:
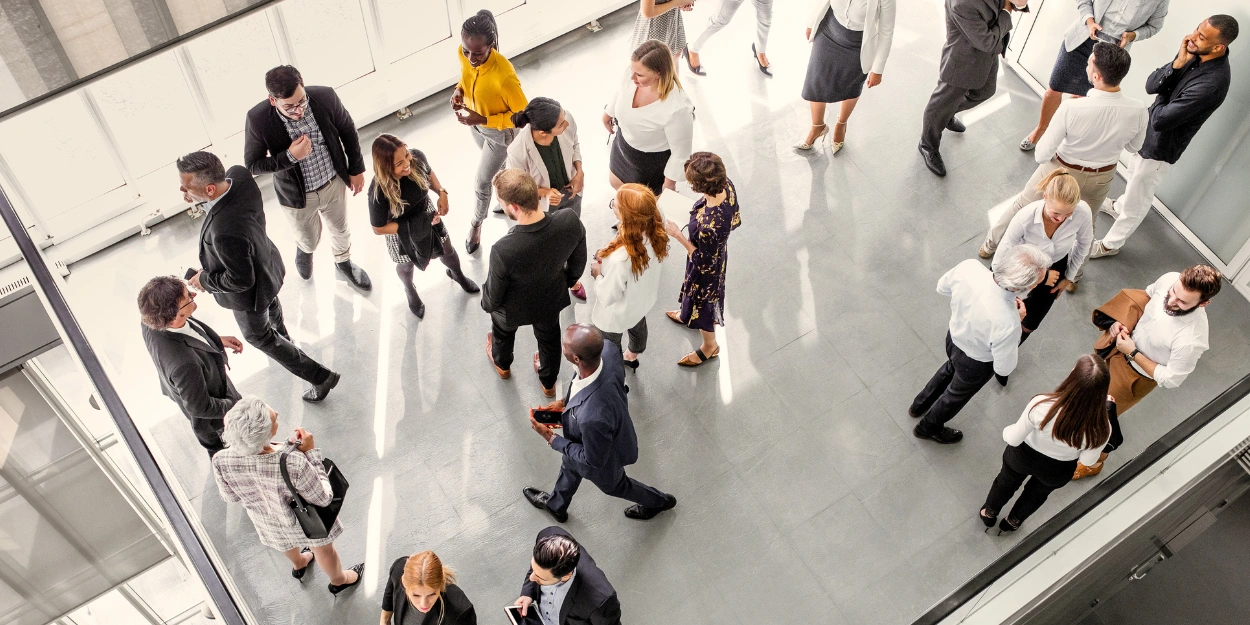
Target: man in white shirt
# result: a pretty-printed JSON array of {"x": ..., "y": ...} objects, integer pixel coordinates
[
  {"x": 984, "y": 336},
  {"x": 1085, "y": 138}
]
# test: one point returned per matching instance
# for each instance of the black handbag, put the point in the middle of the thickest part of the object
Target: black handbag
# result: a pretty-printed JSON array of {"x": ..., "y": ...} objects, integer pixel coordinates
[{"x": 316, "y": 521}]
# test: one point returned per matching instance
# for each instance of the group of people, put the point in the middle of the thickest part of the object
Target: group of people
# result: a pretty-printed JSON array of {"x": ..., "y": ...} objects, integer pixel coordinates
[{"x": 531, "y": 161}]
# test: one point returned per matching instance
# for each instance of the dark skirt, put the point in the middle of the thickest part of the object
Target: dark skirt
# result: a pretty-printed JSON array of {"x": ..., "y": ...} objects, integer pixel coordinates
[
  {"x": 417, "y": 245},
  {"x": 1068, "y": 76},
  {"x": 1040, "y": 299},
  {"x": 630, "y": 165},
  {"x": 834, "y": 72}
]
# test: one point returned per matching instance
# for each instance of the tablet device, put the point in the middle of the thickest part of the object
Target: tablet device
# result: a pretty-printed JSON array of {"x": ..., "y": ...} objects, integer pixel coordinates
[
  {"x": 1105, "y": 38},
  {"x": 190, "y": 273},
  {"x": 547, "y": 417},
  {"x": 514, "y": 615},
  {"x": 675, "y": 206}
]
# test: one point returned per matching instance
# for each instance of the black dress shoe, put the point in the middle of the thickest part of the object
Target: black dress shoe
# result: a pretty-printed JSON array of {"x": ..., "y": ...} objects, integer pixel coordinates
[
  {"x": 933, "y": 160},
  {"x": 1001, "y": 379},
  {"x": 642, "y": 513},
  {"x": 360, "y": 574},
  {"x": 538, "y": 499},
  {"x": 911, "y": 412},
  {"x": 355, "y": 275},
  {"x": 497, "y": 209},
  {"x": 945, "y": 436},
  {"x": 319, "y": 391},
  {"x": 303, "y": 263},
  {"x": 954, "y": 125}
]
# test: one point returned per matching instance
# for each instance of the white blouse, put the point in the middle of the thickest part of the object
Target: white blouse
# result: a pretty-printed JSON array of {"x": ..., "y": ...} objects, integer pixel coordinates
[
  {"x": 621, "y": 300},
  {"x": 850, "y": 13},
  {"x": 1026, "y": 430},
  {"x": 1072, "y": 238},
  {"x": 666, "y": 124}
]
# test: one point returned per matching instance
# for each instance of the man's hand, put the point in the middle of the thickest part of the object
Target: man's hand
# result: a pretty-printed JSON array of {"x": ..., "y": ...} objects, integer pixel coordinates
[
  {"x": 1063, "y": 284},
  {"x": 300, "y": 148},
  {"x": 1124, "y": 342},
  {"x": 1093, "y": 28},
  {"x": 195, "y": 281},
  {"x": 555, "y": 406},
  {"x": 470, "y": 117},
  {"x": 357, "y": 183},
  {"x": 1021, "y": 309},
  {"x": 524, "y": 602},
  {"x": 1008, "y": 6},
  {"x": 548, "y": 433},
  {"x": 235, "y": 345},
  {"x": 1183, "y": 56},
  {"x": 1052, "y": 277},
  {"x": 1115, "y": 328},
  {"x": 1127, "y": 37}
]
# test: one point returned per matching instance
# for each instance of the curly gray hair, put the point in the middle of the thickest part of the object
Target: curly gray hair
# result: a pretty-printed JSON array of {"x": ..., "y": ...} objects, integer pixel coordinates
[
  {"x": 248, "y": 426},
  {"x": 1021, "y": 267}
]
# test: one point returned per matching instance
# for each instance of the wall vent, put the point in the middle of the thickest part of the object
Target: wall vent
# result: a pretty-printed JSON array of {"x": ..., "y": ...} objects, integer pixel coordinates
[
  {"x": 1241, "y": 453},
  {"x": 14, "y": 286}
]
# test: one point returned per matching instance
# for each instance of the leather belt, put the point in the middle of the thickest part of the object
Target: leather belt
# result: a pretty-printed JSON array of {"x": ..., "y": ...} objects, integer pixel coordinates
[{"x": 1092, "y": 170}]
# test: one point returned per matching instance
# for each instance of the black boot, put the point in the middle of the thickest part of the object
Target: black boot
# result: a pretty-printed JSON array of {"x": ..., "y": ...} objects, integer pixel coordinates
[
  {"x": 451, "y": 260},
  {"x": 405, "y": 272}
]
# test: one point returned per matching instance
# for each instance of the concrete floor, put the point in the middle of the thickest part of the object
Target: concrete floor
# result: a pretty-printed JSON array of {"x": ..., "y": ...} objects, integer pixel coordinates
[{"x": 803, "y": 496}]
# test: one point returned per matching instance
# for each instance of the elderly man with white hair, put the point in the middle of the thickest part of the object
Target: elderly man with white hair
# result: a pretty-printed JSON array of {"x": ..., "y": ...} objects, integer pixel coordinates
[
  {"x": 248, "y": 472},
  {"x": 984, "y": 336}
]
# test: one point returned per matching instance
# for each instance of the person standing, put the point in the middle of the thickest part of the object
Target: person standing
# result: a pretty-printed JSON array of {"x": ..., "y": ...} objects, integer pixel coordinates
[
  {"x": 627, "y": 270},
  {"x": 598, "y": 439},
  {"x": 976, "y": 33},
  {"x": 763, "y": 21},
  {"x": 531, "y": 270},
  {"x": 1086, "y": 138},
  {"x": 241, "y": 266},
  {"x": 190, "y": 358},
  {"x": 1077, "y": 420},
  {"x": 713, "y": 217},
  {"x": 656, "y": 122},
  {"x": 660, "y": 20},
  {"x": 983, "y": 338},
  {"x": 421, "y": 591},
  {"x": 400, "y": 209},
  {"x": 487, "y": 95},
  {"x": 1187, "y": 91},
  {"x": 306, "y": 138},
  {"x": 564, "y": 586},
  {"x": 851, "y": 41},
  {"x": 1120, "y": 22}
]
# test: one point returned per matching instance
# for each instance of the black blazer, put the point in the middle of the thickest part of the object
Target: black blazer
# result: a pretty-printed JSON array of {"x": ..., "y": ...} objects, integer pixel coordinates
[
  {"x": 266, "y": 141},
  {"x": 591, "y": 599},
  {"x": 241, "y": 266},
  {"x": 597, "y": 434},
  {"x": 395, "y": 600},
  {"x": 193, "y": 374},
  {"x": 533, "y": 267},
  {"x": 1184, "y": 99}
]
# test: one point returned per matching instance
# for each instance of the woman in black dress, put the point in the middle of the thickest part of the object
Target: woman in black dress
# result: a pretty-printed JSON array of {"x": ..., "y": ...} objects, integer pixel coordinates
[
  {"x": 421, "y": 591},
  {"x": 400, "y": 209}
]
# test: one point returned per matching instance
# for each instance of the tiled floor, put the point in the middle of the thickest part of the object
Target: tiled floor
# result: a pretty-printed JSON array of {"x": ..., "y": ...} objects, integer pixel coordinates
[{"x": 804, "y": 497}]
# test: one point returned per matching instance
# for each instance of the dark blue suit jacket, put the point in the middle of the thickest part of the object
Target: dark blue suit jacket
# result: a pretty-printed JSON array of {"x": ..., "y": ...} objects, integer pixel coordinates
[{"x": 598, "y": 436}]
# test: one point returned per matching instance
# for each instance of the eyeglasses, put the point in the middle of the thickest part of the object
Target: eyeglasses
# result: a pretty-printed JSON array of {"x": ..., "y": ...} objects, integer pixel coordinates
[
  {"x": 298, "y": 106},
  {"x": 612, "y": 204}
]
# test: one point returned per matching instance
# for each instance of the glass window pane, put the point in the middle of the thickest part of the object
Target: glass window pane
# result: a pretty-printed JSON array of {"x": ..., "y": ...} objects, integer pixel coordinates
[
  {"x": 231, "y": 63},
  {"x": 168, "y": 589},
  {"x": 413, "y": 25},
  {"x": 498, "y": 7},
  {"x": 109, "y": 609},
  {"x": 329, "y": 40},
  {"x": 87, "y": 33}
]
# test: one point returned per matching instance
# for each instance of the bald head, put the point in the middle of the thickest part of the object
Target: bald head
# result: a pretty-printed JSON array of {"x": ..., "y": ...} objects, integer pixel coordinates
[{"x": 583, "y": 345}]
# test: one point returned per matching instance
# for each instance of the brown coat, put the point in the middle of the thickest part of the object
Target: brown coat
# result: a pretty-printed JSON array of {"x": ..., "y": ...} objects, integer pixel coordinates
[
  {"x": 1127, "y": 386},
  {"x": 1127, "y": 307}
]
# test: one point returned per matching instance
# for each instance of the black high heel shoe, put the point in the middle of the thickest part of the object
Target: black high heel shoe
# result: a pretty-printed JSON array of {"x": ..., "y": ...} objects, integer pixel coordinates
[
  {"x": 1007, "y": 526},
  {"x": 299, "y": 573},
  {"x": 987, "y": 520},
  {"x": 335, "y": 589},
  {"x": 763, "y": 67},
  {"x": 697, "y": 70},
  {"x": 632, "y": 364}
]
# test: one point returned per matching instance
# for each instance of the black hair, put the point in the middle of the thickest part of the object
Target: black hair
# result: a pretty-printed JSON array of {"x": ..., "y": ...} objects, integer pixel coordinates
[
  {"x": 282, "y": 80},
  {"x": 1112, "y": 62},
  {"x": 482, "y": 26},
  {"x": 204, "y": 166},
  {"x": 1227, "y": 25},
  {"x": 541, "y": 113},
  {"x": 557, "y": 553}
]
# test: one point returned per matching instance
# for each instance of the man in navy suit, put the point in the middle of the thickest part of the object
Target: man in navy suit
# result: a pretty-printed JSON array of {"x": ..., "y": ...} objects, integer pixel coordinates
[{"x": 598, "y": 439}]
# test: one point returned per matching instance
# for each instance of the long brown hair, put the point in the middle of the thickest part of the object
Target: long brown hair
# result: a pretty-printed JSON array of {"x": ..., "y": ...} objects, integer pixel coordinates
[
  {"x": 1080, "y": 405},
  {"x": 657, "y": 57},
  {"x": 385, "y": 184},
  {"x": 425, "y": 569},
  {"x": 640, "y": 222}
]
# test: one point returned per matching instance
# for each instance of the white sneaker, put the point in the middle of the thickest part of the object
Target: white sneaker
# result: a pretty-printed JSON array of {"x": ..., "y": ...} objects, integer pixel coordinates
[
  {"x": 1108, "y": 207},
  {"x": 1098, "y": 250},
  {"x": 1027, "y": 145}
]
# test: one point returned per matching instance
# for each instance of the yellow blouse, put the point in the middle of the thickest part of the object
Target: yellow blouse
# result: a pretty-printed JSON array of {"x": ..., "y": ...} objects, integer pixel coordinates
[{"x": 492, "y": 89}]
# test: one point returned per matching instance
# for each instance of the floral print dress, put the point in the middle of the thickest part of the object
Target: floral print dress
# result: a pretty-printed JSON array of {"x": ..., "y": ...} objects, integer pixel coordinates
[{"x": 703, "y": 291}]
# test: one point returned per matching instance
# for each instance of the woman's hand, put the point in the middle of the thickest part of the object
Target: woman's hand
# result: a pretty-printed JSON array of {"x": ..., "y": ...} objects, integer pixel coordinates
[
  {"x": 554, "y": 197},
  {"x": 305, "y": 439},
  {"x": 669, "y": 184},
  {"x": 607, "y": 123},
  {"x": 457, "y": 99},
  {"x": 807, "y": 34},
  {"x": 578, "y": 182},
  {"x": 874, "y": 79},
  {"x": 470, "y": 117},
  {"x": 442, "y": 204},
  {"x": 596, "y": 268},
  {"x": 1127, "y": 38},
  {"x": 1093, "y": 28},
  {"x": 671, "y": 228},
  {"x": 1052, "y": 277}
]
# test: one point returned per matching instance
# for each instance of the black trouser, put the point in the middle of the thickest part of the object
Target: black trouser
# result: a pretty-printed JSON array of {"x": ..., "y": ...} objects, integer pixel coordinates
[
  {"x": 622, "y": 486},
  {"x": 266, "y": 331},
  {"x": 1040, "y": 299},
  {"x": 951, "y": 388},
  {"x": 546, "y": 333},
  {"x": 208, "y": 433},
  {"x": 1020, "y": 462},
  {"x": 637, "y": 337},
  {"x": 946, "y": 101}
]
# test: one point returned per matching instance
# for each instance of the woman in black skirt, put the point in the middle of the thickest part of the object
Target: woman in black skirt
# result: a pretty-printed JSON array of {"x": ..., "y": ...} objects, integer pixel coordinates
[
  {"x": 850, "y": 43},
  {"x": 400, "y": 209},
  {"x": 656, "y": 122}
]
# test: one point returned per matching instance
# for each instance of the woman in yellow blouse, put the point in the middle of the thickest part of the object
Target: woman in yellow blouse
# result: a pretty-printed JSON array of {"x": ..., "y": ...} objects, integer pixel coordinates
[{"x": 487, "y": 95}]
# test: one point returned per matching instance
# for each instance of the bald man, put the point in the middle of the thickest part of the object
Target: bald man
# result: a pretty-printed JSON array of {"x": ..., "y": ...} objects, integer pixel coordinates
[{"x": 598, "y": 439}]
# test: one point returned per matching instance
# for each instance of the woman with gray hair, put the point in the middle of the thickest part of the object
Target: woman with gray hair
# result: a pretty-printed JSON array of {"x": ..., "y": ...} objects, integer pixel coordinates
[
  {"x": 247, "y": 472},
  {"x": 983, "y": 338}
]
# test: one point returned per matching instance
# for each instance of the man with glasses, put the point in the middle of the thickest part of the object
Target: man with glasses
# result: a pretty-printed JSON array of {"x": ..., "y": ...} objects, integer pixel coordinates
[
  {"x": 308, "y": 141},
  {"x": 565, "y": 586}
]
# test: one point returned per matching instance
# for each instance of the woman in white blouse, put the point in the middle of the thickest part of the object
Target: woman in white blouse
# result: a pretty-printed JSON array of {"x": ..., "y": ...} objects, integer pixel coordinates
[
  {"x": 1076, "y": 421},
  {"x": 1061, "y": 225},
  {"x": 656, "y": 122},
  {"x": 627, "y": 270}
]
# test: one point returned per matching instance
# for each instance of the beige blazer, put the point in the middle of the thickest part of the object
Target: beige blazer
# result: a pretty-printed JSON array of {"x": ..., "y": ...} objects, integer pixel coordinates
[
  {"x": 878, "y": 32},
  {"x": 523, "y": 154}
]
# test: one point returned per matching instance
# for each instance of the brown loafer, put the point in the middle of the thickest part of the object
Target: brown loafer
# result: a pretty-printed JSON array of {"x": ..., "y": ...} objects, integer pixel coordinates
[
  {"x": 697, "y": 357},
  {"x": 504, "y": 374}
]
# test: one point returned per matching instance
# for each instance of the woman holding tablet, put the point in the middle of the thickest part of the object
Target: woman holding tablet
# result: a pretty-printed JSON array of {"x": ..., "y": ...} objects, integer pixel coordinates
[{"x": 656, "y": 122}]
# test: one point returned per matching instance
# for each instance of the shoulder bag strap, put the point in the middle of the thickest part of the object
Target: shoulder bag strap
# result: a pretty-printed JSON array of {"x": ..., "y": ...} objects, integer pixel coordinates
[{"x": 286, "y": 478}]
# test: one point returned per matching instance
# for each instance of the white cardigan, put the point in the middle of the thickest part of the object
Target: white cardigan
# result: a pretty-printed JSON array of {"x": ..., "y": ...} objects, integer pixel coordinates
[
  {"x": 523, "y": 154},
  {"x": 878, "y": 32},
  {"x": 621, "y": 300}
]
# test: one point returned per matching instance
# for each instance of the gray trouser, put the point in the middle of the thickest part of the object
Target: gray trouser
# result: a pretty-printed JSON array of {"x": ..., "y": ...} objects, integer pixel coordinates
[
  {"x": 763, "y": 20},
  {"x": 494, "y": 146},
  {"x": 946, "y": 101},
  {"x": 573, "y": 203},
  {"x": 637, "y": 337},
  {"x": 328, "y": 205}
]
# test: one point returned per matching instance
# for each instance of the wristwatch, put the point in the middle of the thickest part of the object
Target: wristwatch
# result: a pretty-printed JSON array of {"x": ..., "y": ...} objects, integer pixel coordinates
[{"x": 1133, "y": 354}]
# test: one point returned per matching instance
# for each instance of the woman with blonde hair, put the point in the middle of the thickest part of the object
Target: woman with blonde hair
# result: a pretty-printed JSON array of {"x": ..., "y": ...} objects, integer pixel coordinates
[
  {"x": 433, "y": 598},
  {"x": 627, "y": 270},
  {"x": 656, "y": 122},
  {"x": 1059, "y": 224}
]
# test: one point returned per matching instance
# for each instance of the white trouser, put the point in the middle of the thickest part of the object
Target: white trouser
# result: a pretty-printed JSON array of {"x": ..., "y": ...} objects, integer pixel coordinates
[
  {"x": 763, "y": 20},
  {"x": 1144, "y": 179}
]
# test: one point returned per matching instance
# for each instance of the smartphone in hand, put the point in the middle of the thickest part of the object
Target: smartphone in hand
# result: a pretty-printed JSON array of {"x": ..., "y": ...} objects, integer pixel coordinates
[{"x": 549, "y": 418}]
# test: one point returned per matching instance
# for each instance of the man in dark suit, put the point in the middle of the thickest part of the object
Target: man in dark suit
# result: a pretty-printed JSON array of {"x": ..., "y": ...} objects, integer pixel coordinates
[
  {"x": 241, "y": 266},
  {"x": 599, "y": 439},
  {"x": 976, "y": 33},
  {"x": 190, "y": 358},
  {"x": 564, "y": 586},
  {"x": 308, "y": 141},
  {"x": 532, "y": 269}
]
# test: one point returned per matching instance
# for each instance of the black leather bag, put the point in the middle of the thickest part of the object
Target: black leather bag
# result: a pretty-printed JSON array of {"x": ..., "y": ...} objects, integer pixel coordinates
[{"x": 316, "y": 521}]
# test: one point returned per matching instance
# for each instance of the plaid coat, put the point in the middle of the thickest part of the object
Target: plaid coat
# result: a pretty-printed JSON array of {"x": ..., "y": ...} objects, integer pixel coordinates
[{"x": 255, "y": 480}]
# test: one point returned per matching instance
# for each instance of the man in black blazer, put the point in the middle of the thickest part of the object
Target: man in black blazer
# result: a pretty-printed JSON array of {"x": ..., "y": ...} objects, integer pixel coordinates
[
  {"x": 190, "y": 358},
  {"x": 241, "y": 266},
  {"x": 564, "y": 586},
  {"x": 976, "y": 33},
  {"x": 599, "y": 439},
  {"x": 532, "y": 269},
  {"x": 307, "y": 140}
]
